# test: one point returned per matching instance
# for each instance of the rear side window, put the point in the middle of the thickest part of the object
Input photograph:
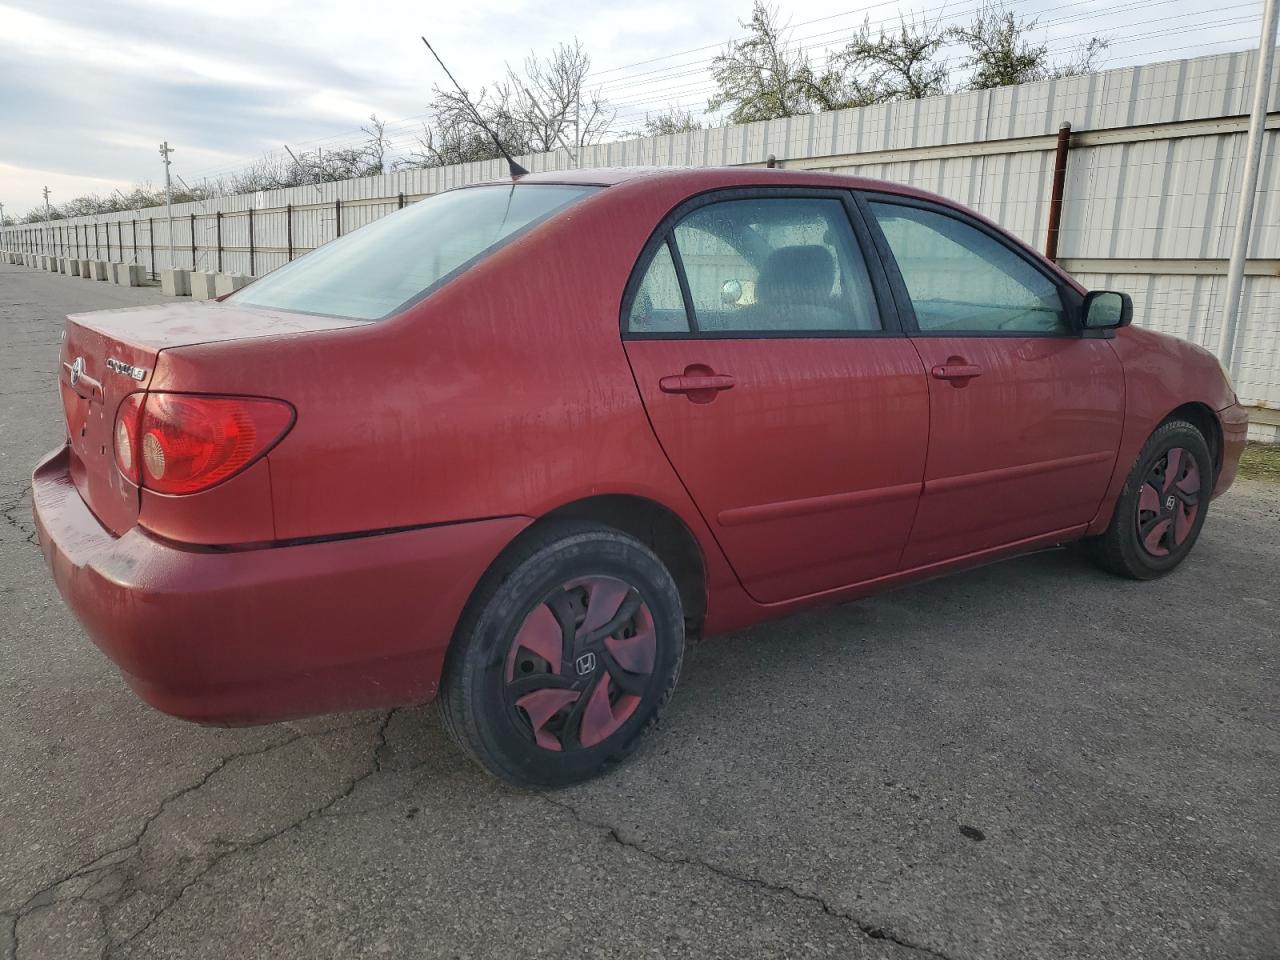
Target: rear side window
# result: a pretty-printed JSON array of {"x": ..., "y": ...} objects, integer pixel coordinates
[
  {"x": 658, "y": 306},
  {"x": 765, "y": 266},
  {"x": 777, "y": 265},
  {"x": 384, "y": 267},
  {"x": 963, "y": 280}
]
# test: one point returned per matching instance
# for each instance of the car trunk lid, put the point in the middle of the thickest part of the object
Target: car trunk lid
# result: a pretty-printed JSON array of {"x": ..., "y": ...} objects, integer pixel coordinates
[{"x": 110, "y": 354}]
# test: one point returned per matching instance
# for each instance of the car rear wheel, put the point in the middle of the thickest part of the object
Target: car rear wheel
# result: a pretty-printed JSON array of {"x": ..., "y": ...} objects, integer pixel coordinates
[
  {"x": 1162, "y": 506},
  {"x": 565, "y": 656}
]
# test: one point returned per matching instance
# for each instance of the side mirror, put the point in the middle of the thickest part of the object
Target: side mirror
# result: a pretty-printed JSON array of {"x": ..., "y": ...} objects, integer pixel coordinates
[{"x": 1107, "y": 310}]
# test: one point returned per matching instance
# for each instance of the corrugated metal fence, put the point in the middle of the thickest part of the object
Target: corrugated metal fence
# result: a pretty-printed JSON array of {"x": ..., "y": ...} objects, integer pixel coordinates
[{"x": 1152, "y": 185}]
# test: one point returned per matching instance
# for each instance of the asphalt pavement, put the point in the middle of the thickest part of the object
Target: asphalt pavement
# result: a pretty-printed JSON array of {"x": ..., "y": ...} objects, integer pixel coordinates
[{"x": 1029, "y": 760}]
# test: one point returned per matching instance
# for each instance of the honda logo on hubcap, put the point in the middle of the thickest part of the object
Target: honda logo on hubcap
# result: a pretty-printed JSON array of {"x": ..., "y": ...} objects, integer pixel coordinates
[{"x": 585, "y": 663}]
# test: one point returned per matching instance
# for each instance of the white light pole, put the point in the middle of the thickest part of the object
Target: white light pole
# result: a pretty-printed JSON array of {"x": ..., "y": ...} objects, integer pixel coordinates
[
  {"x": 165, "y": 150},
  {"x": 48, "y": 230},
  {"x": 1248, "y": 183}
]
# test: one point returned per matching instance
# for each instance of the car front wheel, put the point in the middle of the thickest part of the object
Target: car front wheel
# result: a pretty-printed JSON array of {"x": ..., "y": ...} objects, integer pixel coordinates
[
  {"x": 565, "y": 656},
  {"x": 1162, "y": 507}
]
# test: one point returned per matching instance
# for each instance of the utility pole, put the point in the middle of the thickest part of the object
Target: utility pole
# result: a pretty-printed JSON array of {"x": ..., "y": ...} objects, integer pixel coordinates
[
  {"x": 1249, "y": 183},
  {"x": 577, "y": 133},
  {"x": 48, "y": 231},
  {"x": 165, "y": 150}
]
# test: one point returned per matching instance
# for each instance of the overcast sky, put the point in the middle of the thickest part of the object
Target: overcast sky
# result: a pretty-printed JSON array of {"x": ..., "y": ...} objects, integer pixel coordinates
[{"x": 90, "y": 88}]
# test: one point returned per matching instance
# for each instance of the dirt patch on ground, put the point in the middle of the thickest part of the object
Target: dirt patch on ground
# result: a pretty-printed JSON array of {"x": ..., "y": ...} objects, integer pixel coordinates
[{"x": 1261, "y": 461}]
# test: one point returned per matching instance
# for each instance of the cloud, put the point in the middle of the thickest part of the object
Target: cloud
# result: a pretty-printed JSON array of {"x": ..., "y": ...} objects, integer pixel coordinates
[{"x": 91, "y": 88}]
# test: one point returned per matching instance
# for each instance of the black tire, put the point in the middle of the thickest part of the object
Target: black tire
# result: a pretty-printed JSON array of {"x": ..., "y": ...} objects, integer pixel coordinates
[
  {"x": 1121, "y": 550},
  {"x": 479, "y": 689}
]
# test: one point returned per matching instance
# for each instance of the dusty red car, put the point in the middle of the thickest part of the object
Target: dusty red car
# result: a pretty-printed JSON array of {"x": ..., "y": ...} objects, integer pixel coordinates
[{"x": 513, "y": 444}]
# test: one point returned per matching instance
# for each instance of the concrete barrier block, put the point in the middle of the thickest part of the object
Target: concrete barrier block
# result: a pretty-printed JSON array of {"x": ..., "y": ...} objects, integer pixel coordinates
[
  {"x": 73, "y": 267},
  {"x": 202, "y": 287},
  {"x": 55, "y": 264},
  {"x": 130, "y": 274},
  {"x": 50, "y": 263},
  {"x": 100, "y": 269},
  {"x": 85, "y": 272},
  {"x": 175, "y": 282},
  {"x": 119, "y": 274},
  {"x": 224, "y": 283}
]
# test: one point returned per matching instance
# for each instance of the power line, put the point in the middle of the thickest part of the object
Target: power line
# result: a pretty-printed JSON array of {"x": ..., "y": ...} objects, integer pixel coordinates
[
  {"x": 1056, "y": 22},
  {"x": 630, "y": 108}
]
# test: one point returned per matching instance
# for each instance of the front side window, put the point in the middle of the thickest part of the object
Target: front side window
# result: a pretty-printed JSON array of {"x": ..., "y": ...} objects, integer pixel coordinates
[
  {"x": 773, "y": 266},
  {"x": 963, "y": 280},
  {"x": 379, "y": 269}
]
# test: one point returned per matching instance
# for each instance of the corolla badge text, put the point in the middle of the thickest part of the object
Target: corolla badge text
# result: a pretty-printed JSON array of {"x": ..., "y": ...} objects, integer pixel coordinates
[{"x": 128, "y": 369}]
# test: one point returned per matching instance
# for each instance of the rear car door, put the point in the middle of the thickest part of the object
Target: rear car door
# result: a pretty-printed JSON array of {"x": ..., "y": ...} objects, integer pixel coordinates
[
  {"x": 1026, "y": 409},
  {"x": 783, "y": 394}
]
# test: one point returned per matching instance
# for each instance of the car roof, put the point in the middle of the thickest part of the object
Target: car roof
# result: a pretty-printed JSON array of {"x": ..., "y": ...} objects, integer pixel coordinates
[{"x": 708, "y": 178}]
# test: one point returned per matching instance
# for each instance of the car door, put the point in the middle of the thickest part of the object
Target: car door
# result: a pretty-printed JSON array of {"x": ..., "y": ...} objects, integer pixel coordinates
[
  {"x": 1025, "y": 408},
  {"x": 783, "y": 394}
]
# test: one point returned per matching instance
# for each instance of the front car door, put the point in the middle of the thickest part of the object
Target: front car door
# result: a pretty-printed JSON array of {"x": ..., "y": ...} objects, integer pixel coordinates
[
  {"x": 786, "y": 399},
  {"x": 1025, "y": 409}
]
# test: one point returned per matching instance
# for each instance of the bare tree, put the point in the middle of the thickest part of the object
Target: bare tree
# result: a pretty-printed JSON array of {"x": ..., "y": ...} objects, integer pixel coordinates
[
  {"x": 1084, "y": 59},
  {"x": 543, "y": 107},
  {"x": 376, "y": 146}
]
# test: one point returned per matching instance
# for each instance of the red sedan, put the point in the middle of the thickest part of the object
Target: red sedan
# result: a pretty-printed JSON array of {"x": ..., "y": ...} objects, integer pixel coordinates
[{"x": 514, "y": 443}]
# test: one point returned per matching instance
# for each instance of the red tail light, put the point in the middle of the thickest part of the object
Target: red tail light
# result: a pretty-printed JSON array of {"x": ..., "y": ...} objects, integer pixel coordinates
[{"x": 181, "y": 443}]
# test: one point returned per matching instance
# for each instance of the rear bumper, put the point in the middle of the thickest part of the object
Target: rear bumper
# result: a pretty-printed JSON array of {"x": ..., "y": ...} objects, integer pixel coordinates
[
  {"x": 1235, "y": 430},
  {"x": 259, "y": 635}
]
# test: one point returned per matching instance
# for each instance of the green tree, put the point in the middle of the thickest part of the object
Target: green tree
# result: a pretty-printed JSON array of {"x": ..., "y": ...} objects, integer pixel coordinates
[
  {"x": 999, "y": 52},
  {"x": 672, "y": 120},
  {"x": 762, "y": 77},
  {"x": 899, "y": 64}
]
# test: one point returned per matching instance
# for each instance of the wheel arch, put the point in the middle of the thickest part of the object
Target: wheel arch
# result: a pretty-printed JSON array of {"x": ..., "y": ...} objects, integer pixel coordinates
[
  {"x": 658, "y": 527},
  {"x": 652, "y": 523},
  {"x": 1201, "y": 416}
]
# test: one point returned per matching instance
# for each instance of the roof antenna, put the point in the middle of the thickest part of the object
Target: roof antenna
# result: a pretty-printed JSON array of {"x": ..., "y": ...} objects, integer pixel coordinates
[{"x": 515, "y": 168}]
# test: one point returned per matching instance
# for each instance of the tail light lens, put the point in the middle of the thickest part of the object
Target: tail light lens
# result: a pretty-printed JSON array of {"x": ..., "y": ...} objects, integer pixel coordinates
[{"x": 181, "y": 443}]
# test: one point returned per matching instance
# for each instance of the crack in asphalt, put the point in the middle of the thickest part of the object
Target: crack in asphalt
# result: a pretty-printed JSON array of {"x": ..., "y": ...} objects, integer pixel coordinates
[
  {"x": 870, "y": 930},
  {"x": 112, "y": 863},
  {"x": 234, "y": 847},
  {"x": 7, "y": 511}
]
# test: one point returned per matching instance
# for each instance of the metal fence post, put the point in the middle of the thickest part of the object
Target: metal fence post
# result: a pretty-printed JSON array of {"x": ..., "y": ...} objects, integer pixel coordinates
[
  {"x": 1055, "y": 194},
  {"x": 151, "y": 239},
  {"x": 217, "y": 221},
  {"x": 107, "y": 230},
  {"x": 134, "y": 257},
  {"x": 288, "y": 228},
  {"x": 400, "y": 204},
  {"x": 337, "y": 214},
  {"x": 251, "y": 250}
]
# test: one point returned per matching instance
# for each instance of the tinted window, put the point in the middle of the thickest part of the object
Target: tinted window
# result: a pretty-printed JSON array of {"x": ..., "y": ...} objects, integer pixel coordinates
[
  {"x": 658, "y": 306},
  {"x": 775, "y": 266},
  {"x": 962, "y": 280},
  {"x": 377, "y": 269}
]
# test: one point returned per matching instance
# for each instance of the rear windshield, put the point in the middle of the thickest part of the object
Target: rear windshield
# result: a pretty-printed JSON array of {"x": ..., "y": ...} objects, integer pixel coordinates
[{"x": 377, "y": 270}]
